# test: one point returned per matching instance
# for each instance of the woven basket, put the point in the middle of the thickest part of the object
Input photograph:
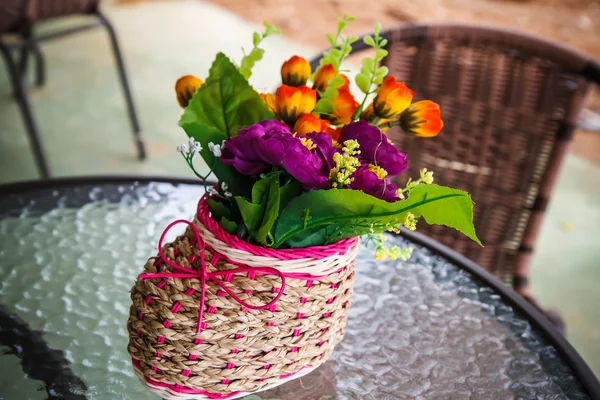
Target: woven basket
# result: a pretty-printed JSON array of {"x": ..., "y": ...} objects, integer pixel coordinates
[{"x": 214, "y": 317}]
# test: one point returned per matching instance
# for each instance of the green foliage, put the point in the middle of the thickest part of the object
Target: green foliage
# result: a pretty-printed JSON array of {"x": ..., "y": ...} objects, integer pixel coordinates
[
  {"x": 225, "y": 102},
  {"x": 341, "y": 46},
  {"x": 370, "y": 74},
  {"x": 260, "y": 214},
  {"x": 217, "y": 111},
  {"x": 324, "y": 106},
  {"x": 256, "y": 54},
  {"x": 229, "y": 226},
  {"x": 219, "y": 210},
  {"x": 343, "y": 213}
]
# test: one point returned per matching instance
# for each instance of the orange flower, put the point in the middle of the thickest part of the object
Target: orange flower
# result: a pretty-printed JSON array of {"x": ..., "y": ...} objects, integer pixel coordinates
[
  {"x": 322, "y": 76},
  {"x": 292, "y": 102},
  {"x": 393, "y": 98},
  {"x": 185, "y": 87},
  {"x": 345, "y": 105},
  {"x": 308, "y": 123},
  {"x": 422, "y": 119},
  {"x": 269, "y": 100},
  {"x": 295, "y": 71}
]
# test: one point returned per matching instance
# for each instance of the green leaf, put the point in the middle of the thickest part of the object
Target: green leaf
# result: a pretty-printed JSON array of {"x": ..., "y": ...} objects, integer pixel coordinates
[
  {"x": 257, "y": 54},
  {"x": 330, "y": 92},
  {"x": 337, "y": 214},
  {"x": 270, "y": 29},
  {"x": 336, "y": 82},
  {"x": 380, "y": 54},
  {"x": 228, "y": 225},
  {"x": 363, "y": 83},
  {"x": 218, "y": 209},
  {"x": 226, "y": 102},
  {"x": 376, "y": 29},
  {"x": 369, "y": 41},
  {"x": 256, "y": 39},
  {"x": 271, "y": 213},
  {"x": 259, "y": 190},
  {"x": 440, "y": 205},
  {"x": 331, "y": 39},
  {"x": 383, "y": 43},
  {"x": 287, "y": 193},
  {"x": 382, "y": 71},
  {"x": 351, "y": 39},
  {"x": 260, "y": 214},
  {"x": 324, "y": 106},
  {"x": 251, "y": 213},
  {"x": 368, "y": 64}
]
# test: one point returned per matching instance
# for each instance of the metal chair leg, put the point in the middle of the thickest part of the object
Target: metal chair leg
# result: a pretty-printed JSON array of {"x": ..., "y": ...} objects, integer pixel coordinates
[
  {"x": 23, "y": 63},
  {"x": 40, "y": 64},
  {"x": 21, "y": 94},
  {"x": 32, "y": 46},
  {"x": 123, "y": 77}
]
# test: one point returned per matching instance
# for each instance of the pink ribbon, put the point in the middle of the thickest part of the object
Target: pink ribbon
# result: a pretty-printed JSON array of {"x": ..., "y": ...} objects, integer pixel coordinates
[{"x": 203, "y": 275}]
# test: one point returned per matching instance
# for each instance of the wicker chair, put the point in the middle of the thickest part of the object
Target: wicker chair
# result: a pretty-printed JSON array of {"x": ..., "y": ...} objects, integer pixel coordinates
[
  {"x": 17, "y": 20},
  {"x": 509, "y": 102}
]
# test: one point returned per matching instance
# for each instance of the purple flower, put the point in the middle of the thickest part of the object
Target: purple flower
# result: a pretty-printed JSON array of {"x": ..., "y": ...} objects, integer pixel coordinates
[
  {"x": 272, "y": 125},
  {"x": 288, "y": 152},
  {"x": 270, "y": 143},
  {"x": 324, "y": 150},
  {"x": 368, "y": 182},
  {"x": 375, "y": 147},
  {"x": 242, "y": 151}
]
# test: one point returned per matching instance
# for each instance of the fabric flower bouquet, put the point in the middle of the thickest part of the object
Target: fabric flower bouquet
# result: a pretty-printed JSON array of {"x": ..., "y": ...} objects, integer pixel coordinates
[{"x": 257, "y": 289}]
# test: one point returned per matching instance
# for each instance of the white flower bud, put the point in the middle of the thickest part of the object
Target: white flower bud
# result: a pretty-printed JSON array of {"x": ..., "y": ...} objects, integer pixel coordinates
[
  {"x": 215, "y": 149},
  {"x": 197, "y": 147}
]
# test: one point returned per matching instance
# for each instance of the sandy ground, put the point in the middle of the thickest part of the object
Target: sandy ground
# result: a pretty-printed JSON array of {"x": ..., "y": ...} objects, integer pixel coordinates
[{"x": 575, "y": 22}]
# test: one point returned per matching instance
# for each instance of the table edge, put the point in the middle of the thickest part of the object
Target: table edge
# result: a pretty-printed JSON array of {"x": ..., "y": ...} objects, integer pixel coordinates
[{"x": 580, "y": 368}]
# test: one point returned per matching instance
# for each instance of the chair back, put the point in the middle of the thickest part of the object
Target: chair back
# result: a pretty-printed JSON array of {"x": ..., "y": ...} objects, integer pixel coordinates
[{"x": 509, "y": 102}]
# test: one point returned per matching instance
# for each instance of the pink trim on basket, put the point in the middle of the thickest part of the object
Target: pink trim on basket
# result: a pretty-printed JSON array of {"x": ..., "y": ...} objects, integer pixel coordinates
[
  {"x": 183, "y": 389},
  {"x": 317, "y": 252}
]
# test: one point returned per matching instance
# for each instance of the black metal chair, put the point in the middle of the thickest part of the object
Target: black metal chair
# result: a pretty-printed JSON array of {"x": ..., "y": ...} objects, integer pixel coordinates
[{"x": 17, "y": 20}]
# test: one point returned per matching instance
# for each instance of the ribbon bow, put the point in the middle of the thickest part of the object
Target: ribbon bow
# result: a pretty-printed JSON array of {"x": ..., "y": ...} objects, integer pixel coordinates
[{"x": 203, "y": 275}]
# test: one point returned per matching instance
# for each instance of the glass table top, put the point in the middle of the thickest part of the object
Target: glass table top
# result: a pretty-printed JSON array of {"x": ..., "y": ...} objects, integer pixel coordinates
[{"x": 423, "y": 329}]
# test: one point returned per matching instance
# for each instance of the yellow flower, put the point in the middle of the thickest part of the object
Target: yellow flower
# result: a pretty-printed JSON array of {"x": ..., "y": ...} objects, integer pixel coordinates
[
  {"x": 292, "y": 102},
  {"x": 269, "y": 100},
  {"x": 322, "y": 76},
  {"x": 377, "y": 170},
  {"x": 185, "y": 87},
  {"x": 308, "y": 123},
  {"x": 295, "y": 71},
  {"x": 392, "y": 98},
  {"x": 422, "y": 119},
  {"x": 309, "y": 144}
]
